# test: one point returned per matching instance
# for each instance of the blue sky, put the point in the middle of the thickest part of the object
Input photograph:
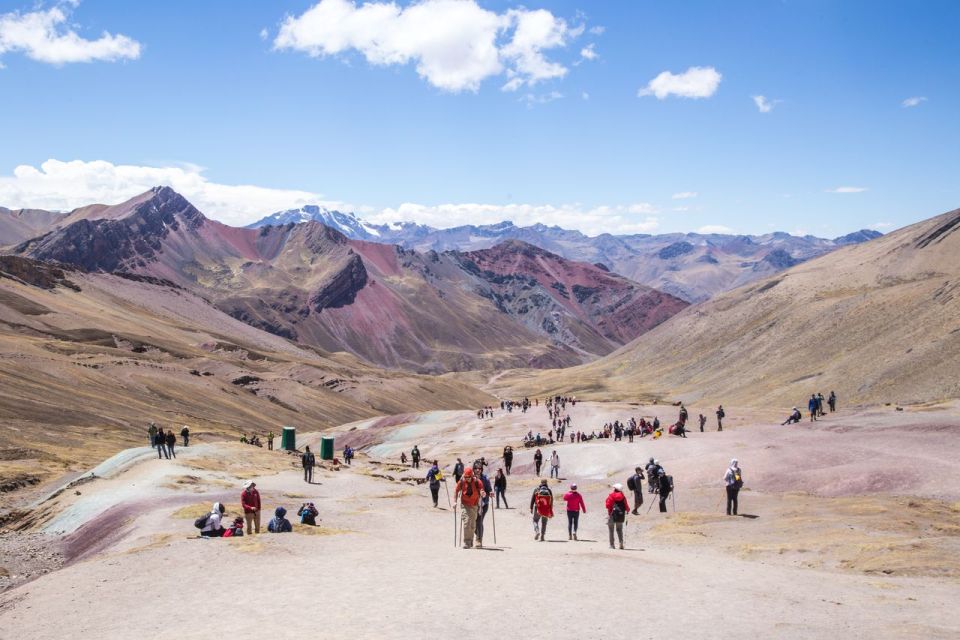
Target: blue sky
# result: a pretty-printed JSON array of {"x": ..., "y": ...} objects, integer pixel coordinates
[{"x": 248, "y": 107}]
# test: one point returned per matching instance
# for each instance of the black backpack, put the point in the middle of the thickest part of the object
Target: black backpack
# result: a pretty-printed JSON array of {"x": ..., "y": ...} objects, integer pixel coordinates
[
  {"x": 201, "y": 522},
  {"x": 631, "y": 483},
  {"x": 619, "y": 512}
]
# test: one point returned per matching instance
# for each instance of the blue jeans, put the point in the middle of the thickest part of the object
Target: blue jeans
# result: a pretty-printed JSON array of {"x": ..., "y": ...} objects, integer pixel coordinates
[
  {"x": 573, "y": 520},
  {"x": 555, "y": 472}
]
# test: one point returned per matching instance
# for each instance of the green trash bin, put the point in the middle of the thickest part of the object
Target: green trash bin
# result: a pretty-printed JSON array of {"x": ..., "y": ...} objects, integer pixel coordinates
[
  {"x": 326, "y": 448},
  {"x": 288, "y": 441}
]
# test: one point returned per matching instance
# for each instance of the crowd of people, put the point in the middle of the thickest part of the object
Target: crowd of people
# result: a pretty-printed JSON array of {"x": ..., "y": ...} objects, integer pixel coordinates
[
  {"x": 165, "y": 442},
  {"x": 211, "y": 524},
  {"x": 815, "y": 407}
]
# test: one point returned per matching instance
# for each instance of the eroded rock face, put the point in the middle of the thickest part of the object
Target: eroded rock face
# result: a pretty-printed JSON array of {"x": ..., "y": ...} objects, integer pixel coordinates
[{"x": 341, "y": 290}]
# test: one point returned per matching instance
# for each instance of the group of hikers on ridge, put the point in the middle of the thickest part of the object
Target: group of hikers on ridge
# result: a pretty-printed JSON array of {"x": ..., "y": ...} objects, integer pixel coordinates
[
  {"x": 815, "y": 408},
  {"x": 165, "y": 442}
]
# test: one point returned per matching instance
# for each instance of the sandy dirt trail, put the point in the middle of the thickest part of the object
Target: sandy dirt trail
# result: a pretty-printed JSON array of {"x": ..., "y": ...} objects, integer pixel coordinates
[{"x": 383, "y": 562}]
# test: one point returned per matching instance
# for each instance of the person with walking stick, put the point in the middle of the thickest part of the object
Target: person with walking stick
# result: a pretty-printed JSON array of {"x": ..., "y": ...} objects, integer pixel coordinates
[
  {"x": 435, "y": 477},
  {"x": 484, "y": 501},
  {"x": 468, "y": 493}
]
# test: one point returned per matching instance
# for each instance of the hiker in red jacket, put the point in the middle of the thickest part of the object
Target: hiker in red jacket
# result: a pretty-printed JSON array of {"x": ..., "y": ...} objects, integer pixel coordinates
[
  {"x": 469, "y": 491},
  {"x": 617, "y": 508},
  {"x": 250, "y": 501},
  {"x": 575, "y": 504}
]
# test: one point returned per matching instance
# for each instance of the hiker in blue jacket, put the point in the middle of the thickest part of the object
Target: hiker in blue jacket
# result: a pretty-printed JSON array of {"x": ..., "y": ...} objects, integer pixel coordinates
[
  {"x": 435, "y": 477},
  {"x": 812, "y": 406}
]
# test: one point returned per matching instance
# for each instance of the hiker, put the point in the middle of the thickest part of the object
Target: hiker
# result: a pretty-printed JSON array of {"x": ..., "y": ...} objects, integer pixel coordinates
[
  {"x": 652, "y": 468},
  {"x": 734, "y": 481},
  {"x": 270, "y": 438},
  {"x": 666, "y": 486},
  {"x": 541, "y": 506},
  {"x": 415, "y": 457},
  {"x": 703, "y": 421},
  {"x": 721, "y": 414},
  {"x": 793, "y": 418},
  {"x": 161, "y": 441},
  {"x": 508, "y": 458},
  {"x": 575, "y": 505},
  {"x": 812, "y": 407},
  {"x": 235, "y": 530},
  {"x": 211, "y": 527},
  {"x": 185, "y": 434},
  {"x": 403, "y": 458},
  {"x": 468, "y": 492},
  {"x": 458, "y": 470},
  {"x": 308, "y": 460},
  {"x": 348, "y": 455},
  {"x": 171, "y": 443},
  {"x": 484, "y": 499},
  {"x": 635, "y": 484},
  {"x": 555, "y": 465},
  {"x": 820, "y": 405},
  {"x": 308, "y": 514},
  {"x": 435, "y": 477},
  {"x": 500, "y": 488},
  {"x": 152, "y": 434},
  {"x": 250, "y": 501},
  {"x": 679, "y": 430},
  {"x": 832, "y": 401},
  {"x": 279, "y": 524},
  {"x": 682, "y": 419},
  {"x": 538, "y": 460},
  {"x": 617, "y": 507}
]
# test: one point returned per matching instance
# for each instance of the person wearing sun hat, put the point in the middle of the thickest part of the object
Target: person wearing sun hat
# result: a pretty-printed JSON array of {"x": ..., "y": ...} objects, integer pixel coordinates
[{"x": 250, "y": 501}]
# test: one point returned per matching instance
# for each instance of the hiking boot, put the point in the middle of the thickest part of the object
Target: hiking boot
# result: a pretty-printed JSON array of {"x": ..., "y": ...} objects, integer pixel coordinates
[
  {"x": 634, "y": 512},
  {"x": 479, "y": 545},
  {"x": 621, "y": 545},
  {"x": 570, "y": 536},
  {"x": 536, "y": 536},
  {"x": 574, "y": 536},
  {"x": 612, "y": 547}
]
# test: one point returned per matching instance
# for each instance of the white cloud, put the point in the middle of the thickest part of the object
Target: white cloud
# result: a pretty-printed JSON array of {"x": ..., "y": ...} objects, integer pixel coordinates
[
  {"x": 880, "y": 226},
  {"x": 531, "y": 100},
  {"x": 589, "y": 52},
  {"x": 264, "y": 34},
  {"x": 623, "y": 219},
  {"x": 455, "y": 44},
  {"x": 714, "y": 228},
  {"x": 585, "y": 95},
  {"x": 695, "y": 82},
  {"x": 847, "y": 190},
  {"x": 684, "y": 195},
  {"x": 45, "y": 36},
  {"x": 597, "y": 30},
  {"x": 764, "y": 105},
  {"x": 913, "y": 101},
  {"x": 63, "y": 186}
]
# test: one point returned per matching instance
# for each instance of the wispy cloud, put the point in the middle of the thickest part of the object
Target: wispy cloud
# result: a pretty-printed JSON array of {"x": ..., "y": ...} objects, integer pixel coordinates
[
  {"x": 532, "y": 100},
  {"x": 589, "y": 52},
  {"x": 684, "y": 195},
  {"x": 913, "y": 101},
  {"x": 764, "y": 105},
  {"x": 714, "y": 228},
  {"x": 46, "y": 36},
  {"x": 847, "y": 190},
  {"x": 695, "y": 82}
]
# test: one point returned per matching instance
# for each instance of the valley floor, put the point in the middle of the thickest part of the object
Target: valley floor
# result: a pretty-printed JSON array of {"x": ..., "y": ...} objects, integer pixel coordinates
[{"x": 851, "y": 528}]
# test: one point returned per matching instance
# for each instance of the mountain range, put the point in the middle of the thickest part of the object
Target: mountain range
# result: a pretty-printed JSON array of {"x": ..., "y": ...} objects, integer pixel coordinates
[
  {"x": 511, "y": 305},
  {"x": 691, "y": 266}
]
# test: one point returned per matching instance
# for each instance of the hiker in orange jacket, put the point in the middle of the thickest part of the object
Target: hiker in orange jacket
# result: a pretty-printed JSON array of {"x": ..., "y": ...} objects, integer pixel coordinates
[{"x": 469, "y": 491}]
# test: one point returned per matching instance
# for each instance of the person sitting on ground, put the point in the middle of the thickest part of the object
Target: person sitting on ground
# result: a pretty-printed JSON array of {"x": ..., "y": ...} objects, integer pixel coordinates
[
  {"x": 279, "y": 523},
  {"x": 211, "y": 526},
  {"x": 308, "y": 514},
  {"x": 793, "y": 418},
  {"x": 235, "y": 530}
]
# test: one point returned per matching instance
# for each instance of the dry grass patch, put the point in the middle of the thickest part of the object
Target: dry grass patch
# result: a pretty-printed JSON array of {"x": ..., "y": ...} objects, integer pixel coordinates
[
  {"x": 319, "y": 530},
  {"x": 194, "y": 511}
]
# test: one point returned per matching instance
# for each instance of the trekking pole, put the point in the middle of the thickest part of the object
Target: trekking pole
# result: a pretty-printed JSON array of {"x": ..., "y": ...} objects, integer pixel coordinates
[
  {"x": 455, "y": 528},
  {"x": 494, "y": 516},
  {"x": 447, "y": 489}
]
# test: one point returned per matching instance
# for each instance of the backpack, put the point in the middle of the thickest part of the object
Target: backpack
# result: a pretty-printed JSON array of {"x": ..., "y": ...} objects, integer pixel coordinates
[
  {"x": 618, "y": 511},
  {"x": 543, "y": 500},
  {"x": 201, "y": 522},
  {"x": 737, "y": 480},
  {"x": 631, "y": 483}
]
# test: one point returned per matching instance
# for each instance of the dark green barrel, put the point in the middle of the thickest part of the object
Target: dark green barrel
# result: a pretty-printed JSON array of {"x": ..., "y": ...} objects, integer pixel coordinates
[
  {"x": 326, "y": 448},
  {"x": 288, "y": 441}
]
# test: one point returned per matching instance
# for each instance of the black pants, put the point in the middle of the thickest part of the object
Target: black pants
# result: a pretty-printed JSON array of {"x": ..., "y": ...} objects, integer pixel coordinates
[
  {"x": 500, "y": 493},
  {"x": 481, "y": 512},
  {"x": 416, "y": 463},
  {"x": 507, "y": 464},
  {"x": 637, "y": 500},
  {"x": 170, "y": 450},
  {"x": 538, "y": 467},
  {"x": 308, "y": 474},
  {"x": 663, "y": 502},
  {"x": 435, "y": 492},
  {"x": 186, "y": 441},
  {"x": 732, "y": 493},
  {"x": 573, "y": 521}
]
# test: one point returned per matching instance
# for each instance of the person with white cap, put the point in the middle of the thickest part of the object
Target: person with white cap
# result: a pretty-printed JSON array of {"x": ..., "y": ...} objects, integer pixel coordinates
[
  {"x": 734, "y": 481},
  {"x": 617, "y": 508},
  {"x": 793, "y": 418},
  {"x": 250, "y": 501}
]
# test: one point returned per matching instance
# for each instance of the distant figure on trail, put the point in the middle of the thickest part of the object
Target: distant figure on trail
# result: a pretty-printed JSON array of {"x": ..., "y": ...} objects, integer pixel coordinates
[
  {"x": 152, "y": 434},
  {"x": 435, "y": 477},
  {"x": 161, "y": 442},
  {"x": 508, "y": 458},
  {"x": 812, "y": 407},
  {"x": 415, "y": 457},
  {"x": 555, "y": 465},
  {"x": 250, "y": 501},
  {"x": 541, "y": 507},
  {"x": 793, "y": 418},
  {"x": 458, "y": 470},
  {"x": 279, "y": 523},
  {"x": 538, "y": 460},
  {"x": 308, "y": 514},
  {"x": 617, "y": 507},
  {"x": 403, "y": 458},
  {"x": 270, "y": 437},
  {"x": 832, "y": 401},
  {"x": 733, "y": 479},
  {"x": 308, "y": 460},
  {"x": 171, "y": 443},
  {"x": 721, "y": 414},
  {"x": 500, "y": 488},
  {"x": 635, "y": 484},
  {"x": 348, "y": 455},
  {"x": 665, "y": 488},
  {"x": 468, "y": 492},
  {"x": 682, "y": 419},
  {"x": 820, "y": 405},
  {"x": 484, "y": 499},
  {"x": 703, "y": 421},
  {"x": 185, "y": 434},
  {"x": 653, "y": 467},
  {"x": 575, "y": 505},
  {"x": 210, "y": 526}
]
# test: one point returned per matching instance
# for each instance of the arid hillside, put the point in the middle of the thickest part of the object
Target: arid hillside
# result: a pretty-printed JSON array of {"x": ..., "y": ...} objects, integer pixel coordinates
[{"x": 877, "y": 322}]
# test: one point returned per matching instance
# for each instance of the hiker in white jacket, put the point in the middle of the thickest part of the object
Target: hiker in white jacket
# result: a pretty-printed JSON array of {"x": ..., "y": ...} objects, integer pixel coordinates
[
  {"x": 554, "y": 465},
  {"x": 733, "y": 478}
]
